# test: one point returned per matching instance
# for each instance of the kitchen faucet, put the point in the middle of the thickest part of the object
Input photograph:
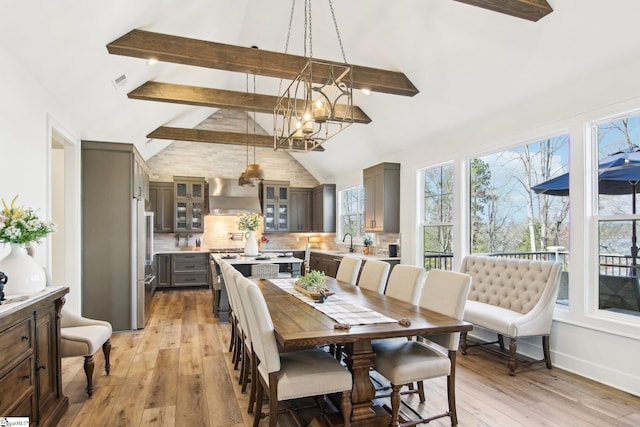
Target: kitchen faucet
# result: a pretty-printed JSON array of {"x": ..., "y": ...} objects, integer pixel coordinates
[{"x": 350, "y": 241}]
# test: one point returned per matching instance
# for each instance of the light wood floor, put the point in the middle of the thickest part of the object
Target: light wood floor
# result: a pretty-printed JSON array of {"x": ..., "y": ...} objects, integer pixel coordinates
[{"x": 177, "y": 372}]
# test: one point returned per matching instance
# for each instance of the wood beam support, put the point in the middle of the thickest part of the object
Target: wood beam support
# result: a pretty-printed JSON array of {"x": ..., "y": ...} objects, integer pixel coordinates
[
  {"x": 218, "y": 98},
  {"x": 212, "y": 136},
  {"x": 182, "y": 50},
  {"x": 531, "y": 10}
]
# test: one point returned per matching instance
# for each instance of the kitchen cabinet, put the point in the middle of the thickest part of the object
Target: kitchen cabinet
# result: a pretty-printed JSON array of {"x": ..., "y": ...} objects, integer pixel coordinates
[
  {"x": 161, "y": 201},
  {"x": 140, "y": 179},
  {"x": 30, "y": 368},
  {"x": 324, "y": 209},
  {"x": 300, "y": 208},
  {"x": 190, "y": 269},
  {"x": 275, "y": 206},
  {"x": 163, "y": 270},
  {"x": 382, "y": 198},
  {"x": 188, "y": 202}
]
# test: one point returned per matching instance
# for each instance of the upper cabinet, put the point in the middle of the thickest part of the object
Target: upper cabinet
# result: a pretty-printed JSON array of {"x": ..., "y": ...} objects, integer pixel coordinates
[
  {"x": 382, "y": 198},
  {"x": 275, "y": 205},
  {"x": 140, "y": 178},
  {"x": 300, "y": 208},
  {"x": 324, "y": 208},
  {"x": 188, "y": 202},
  {"x": 161, "y": 200}
]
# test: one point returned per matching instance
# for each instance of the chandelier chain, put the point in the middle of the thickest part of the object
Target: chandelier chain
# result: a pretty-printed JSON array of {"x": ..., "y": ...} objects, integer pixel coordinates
[
  {"x": 247, "y": 123},
  {"x": 310, "y": 32},
  {"x": 335, "y": 23},
  {"x": 286, "y": 46},
  {"x": 254, "y": 122}
]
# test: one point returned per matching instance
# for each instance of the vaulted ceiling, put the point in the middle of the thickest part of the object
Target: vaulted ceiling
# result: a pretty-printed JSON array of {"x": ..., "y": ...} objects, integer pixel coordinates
[{"x": 467, "y": 63}]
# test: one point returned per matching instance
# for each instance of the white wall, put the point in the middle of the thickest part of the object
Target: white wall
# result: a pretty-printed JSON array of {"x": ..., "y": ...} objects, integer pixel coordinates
[
  {"x": 25, "y": 111},
  {"x": 583, "y": 340}
]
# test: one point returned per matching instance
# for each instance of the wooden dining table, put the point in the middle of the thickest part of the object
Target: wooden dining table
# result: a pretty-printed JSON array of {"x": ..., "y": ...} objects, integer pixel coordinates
[{"x": 298, "y": 324}]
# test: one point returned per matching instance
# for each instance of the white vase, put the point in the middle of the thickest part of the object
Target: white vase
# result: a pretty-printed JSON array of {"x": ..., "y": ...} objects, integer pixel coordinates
[
  {"x": 24, "y": 274},
  {"x": 251, "y": 247}
]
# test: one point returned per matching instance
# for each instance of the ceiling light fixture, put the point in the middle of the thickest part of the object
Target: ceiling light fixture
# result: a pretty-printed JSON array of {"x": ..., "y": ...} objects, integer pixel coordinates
[
  {"x": 305, "y": 114},
  {"x": 254, "y": 171},
  {"x": 243, "y": 181}
]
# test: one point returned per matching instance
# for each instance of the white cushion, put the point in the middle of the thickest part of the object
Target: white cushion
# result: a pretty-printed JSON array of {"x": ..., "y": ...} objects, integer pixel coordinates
[
  {"x": 409, "y": 361},
  {"x": 491, "y": 317},
  {"x": 309, "y": 373},
  {"x": 83, "y": 340}
]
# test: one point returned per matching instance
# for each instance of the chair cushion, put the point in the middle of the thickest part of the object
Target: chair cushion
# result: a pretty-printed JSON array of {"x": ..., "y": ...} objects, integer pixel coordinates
[
  {"x": 309, "y": 373},
  {"x": 499, "y": 319},
  {"x": 409, "y": 361},
  {"x": 83, "y": 340}
]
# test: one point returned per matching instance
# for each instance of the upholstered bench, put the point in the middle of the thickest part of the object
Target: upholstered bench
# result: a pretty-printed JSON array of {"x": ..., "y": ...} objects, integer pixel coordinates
[{"x": 512, "y": 297}]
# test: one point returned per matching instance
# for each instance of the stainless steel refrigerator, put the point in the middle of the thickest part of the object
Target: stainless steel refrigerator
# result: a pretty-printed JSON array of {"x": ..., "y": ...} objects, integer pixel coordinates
[{"x": 117, "y": 237}]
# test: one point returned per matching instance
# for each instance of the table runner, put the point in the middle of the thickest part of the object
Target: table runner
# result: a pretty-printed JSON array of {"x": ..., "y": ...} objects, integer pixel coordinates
[{"x": 339, "y": 309}]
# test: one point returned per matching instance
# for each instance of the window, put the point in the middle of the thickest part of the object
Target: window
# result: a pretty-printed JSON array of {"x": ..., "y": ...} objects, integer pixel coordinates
[
  {"x": 618, "y": 178},
  {"x": 437, "y": 217},
  {"x": 352, "y": 211},
  {"x": 519, "y": 204}
]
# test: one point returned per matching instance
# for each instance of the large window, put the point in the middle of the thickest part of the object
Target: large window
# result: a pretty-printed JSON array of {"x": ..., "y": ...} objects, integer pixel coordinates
[
  {"x": 519, "y": 204},
  {"x": 618, "y": 182},
  {"x": 352, "y": 211},
  {"x": 437, "y": 217}
]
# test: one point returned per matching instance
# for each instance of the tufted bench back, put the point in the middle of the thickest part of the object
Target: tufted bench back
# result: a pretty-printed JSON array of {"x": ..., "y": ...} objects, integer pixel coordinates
[{"x": 514, "y": 284}]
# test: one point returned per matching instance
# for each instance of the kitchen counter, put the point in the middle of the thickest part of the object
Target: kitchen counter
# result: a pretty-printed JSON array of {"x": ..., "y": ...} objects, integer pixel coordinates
[{"x": 342, "y": 253}]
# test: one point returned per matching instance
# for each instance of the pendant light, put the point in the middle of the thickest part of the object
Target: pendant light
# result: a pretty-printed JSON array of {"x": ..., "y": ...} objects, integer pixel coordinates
[{"x": 254, "y": 172}]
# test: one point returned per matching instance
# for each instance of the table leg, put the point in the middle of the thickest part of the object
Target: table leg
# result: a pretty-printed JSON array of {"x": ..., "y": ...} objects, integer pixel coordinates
[{"x": 359, "y": 360}]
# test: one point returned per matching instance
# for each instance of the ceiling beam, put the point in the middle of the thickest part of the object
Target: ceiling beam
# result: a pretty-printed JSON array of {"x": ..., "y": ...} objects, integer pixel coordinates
[
  {"x": 532, "y": 10},
  {"x": 212, "y": 136},
  {"x": 182, "y": 50},
  {"x": 218, "y": 98}
]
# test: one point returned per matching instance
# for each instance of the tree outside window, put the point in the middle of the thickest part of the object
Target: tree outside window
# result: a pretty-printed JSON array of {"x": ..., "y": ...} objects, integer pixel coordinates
[
  {"x": 437, "y": 218},
  {"x": 352, "y": 211}
]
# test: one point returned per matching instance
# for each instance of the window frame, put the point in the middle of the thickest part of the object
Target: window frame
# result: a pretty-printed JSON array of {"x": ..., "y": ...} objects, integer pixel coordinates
[{"x": 358, "y": 237}]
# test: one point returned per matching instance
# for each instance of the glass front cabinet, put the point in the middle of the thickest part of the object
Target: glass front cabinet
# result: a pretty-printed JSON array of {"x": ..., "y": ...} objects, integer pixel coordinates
[
  {"x": 189, "y": 196},
  {"x": 275, "y": 202}
]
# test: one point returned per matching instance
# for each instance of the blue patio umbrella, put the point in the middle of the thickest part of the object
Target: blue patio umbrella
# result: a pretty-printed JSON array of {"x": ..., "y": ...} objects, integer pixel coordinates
[{"x": 618, "y": 173}]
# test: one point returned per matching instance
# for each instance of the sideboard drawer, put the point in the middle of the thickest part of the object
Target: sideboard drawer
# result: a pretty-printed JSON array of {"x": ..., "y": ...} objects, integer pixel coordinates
[
  {"x": 18, "y": 381},
  {"x": 15, "y": 341}
]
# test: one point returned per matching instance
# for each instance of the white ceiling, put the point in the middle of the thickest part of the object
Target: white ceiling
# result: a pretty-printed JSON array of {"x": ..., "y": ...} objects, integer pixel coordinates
[{"x": 467, "y": 62}]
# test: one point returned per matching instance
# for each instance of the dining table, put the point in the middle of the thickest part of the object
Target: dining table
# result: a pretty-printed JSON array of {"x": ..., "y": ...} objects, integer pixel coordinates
[{"x": 300, "y": 323}]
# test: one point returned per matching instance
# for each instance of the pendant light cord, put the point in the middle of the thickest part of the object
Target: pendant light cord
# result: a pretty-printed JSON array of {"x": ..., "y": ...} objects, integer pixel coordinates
[{"x": 254, "y": 121}]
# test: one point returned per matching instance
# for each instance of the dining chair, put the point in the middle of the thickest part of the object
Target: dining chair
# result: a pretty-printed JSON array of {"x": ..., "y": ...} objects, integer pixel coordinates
[
  {"x": 234, "y": 300},
  {"x": 80, "y": 336},
  {"x": 405, "y": 283},
  {"x": 374, "y": 275},
  {"x": 291, "y": 375},
  {"x": 349, "y": 269},
  {"x": 407, "y": 362}
]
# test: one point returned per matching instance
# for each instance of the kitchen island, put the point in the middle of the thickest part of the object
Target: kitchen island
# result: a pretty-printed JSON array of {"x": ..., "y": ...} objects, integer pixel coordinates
[{"x": 243, "y": 264}]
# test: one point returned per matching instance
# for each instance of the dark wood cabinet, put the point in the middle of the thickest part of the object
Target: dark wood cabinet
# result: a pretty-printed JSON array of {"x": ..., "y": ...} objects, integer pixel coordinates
[
  {"x": 275, "y": 206},
  {"x": 324, "y": 262},
  {"x": 161, "y": 200},
  {"x": 30, "y": 368},
  {"x": 188, "y": 202},
  {"x": 190, "y": 269},
  {"x": 300, "y": 208},
  {"x": 163, "y": 270},
  {"x": 382, "y": 198},
  {"x": 324, "y": 209}
]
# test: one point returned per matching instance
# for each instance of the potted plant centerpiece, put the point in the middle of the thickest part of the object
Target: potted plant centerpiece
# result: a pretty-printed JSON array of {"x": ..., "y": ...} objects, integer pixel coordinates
[
  {"x": 250, "y": 222},
  {"x": 20, "y": 226},
  {"x": 312, "y": 285},
  {"x": 367, "y": 240}
]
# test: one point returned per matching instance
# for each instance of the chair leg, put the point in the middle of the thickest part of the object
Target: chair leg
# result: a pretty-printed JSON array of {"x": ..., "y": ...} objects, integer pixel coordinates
[
  {"x": 232, "y": 340},
  {"x": 513, "y": 363},
  {"x": 273, "y": 400},
  {"x": 451, "y": 389},
  {"x": 346, "y": 408},
  {"x": 88, "y": 370},
  {"x": 257, "y": 410},
  {"x": 106, "y": 349},
  {"x": 545, "y": 349},
  {"x": 395, "y": 404},
  {"x": 421, "y": 391},
  {"x": 254, "y": 380},
  {"x": 463, "y": 343},
  {"x": 246, "y": 366},
  {"x": 501, "y": 342}
]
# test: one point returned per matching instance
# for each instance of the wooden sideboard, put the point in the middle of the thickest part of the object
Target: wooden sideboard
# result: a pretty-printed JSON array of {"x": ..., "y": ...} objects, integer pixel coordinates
[{"x": 30, "y": 369}]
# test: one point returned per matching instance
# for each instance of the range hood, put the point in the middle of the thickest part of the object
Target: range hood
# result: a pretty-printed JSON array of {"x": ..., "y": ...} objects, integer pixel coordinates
[{"x": 226, "y": 197}]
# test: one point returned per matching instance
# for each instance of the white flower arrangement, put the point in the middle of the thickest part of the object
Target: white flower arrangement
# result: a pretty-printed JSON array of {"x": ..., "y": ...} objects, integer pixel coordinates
[
  {"x": 249, "y": 221},
  {"x": 21, "y": 225}
]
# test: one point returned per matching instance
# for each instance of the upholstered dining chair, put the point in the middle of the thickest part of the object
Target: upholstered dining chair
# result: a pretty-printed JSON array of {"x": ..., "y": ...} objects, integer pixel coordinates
[
  {"x": 349, "y": 269},
  {"x": 80, "y": 336},
  {"x": 291, "y": 375},
  {"x": 374, "y": 275},
  {"x": 406, "y": 362},
  {"x": 405, "y": 283},
  {"x": 237, "y": 333}
]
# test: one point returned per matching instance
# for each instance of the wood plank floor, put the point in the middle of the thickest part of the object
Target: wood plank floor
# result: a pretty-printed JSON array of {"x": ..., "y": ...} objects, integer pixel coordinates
[{"x": 177, "y": 372}]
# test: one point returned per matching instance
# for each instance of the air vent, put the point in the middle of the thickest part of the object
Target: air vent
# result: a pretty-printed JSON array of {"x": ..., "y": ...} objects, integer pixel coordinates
[{"x": 119, "y": 81}]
